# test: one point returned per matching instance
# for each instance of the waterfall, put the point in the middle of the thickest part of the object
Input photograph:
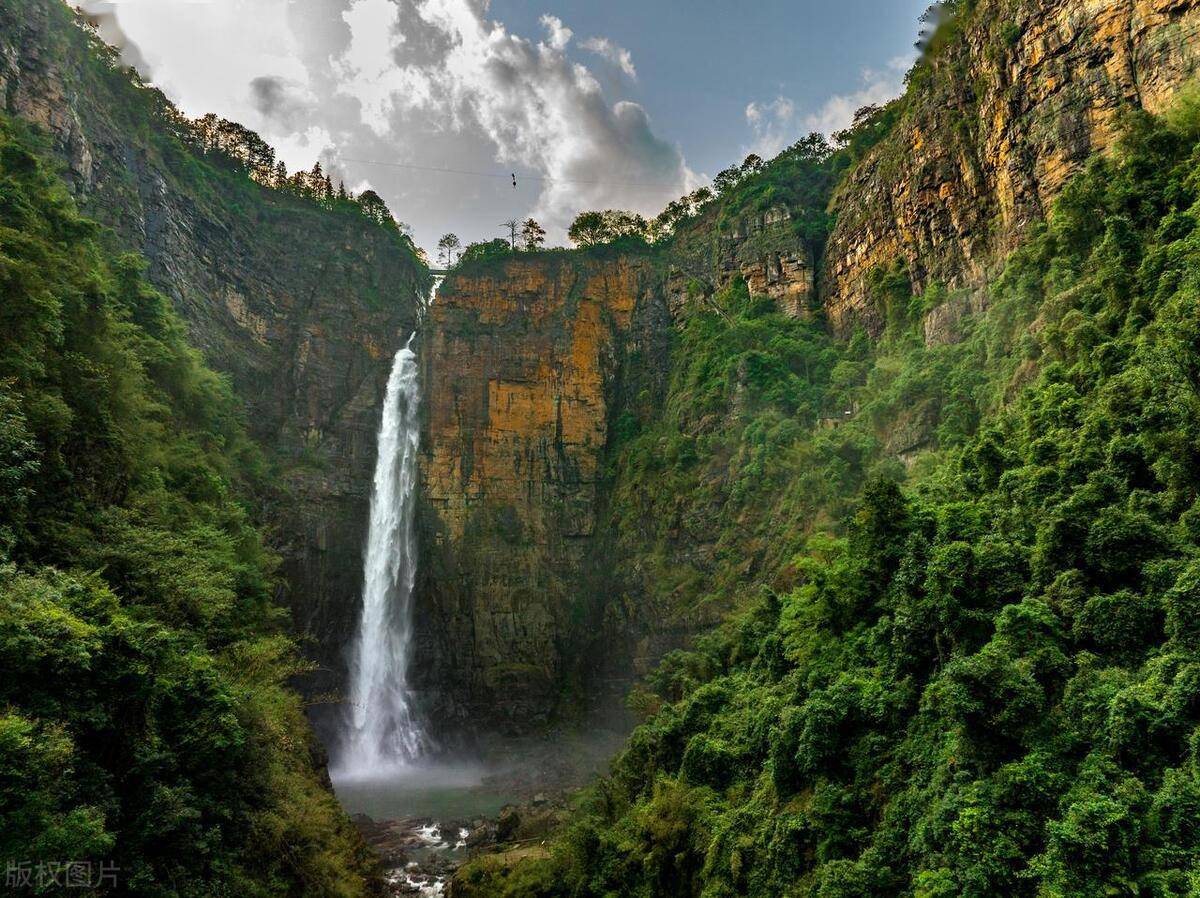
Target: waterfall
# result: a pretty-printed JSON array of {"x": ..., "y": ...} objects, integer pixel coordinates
[{"x": 382, "y": 727}]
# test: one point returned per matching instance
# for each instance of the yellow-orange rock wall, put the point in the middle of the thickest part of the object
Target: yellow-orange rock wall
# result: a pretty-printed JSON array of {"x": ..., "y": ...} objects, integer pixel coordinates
[
  {"x": 519, "y": 365},
  {"x": 1007, "y": 116}
]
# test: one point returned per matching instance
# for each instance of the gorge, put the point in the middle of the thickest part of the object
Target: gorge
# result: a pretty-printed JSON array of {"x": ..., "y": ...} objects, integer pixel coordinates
[{"x": 865, "y": 494}]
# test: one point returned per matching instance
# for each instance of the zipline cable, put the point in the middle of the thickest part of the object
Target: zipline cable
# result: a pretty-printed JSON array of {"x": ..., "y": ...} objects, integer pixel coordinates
[{"x": 505, "y": 177}]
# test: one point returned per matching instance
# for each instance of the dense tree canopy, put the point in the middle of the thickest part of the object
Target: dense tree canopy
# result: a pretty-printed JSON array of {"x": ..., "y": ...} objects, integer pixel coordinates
[
  {"x": 595, "y": 228},
  {"x": 144, "y": 717}
]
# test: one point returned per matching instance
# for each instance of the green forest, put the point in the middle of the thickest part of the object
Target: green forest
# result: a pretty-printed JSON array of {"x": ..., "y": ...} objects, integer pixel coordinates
[
  {"x": 145, "y": 721},
  {"x": 944, "y": 572},
  {"x": 974, "y": 674}
]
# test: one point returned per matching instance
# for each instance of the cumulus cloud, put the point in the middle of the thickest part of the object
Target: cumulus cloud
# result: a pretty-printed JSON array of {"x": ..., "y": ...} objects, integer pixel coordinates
[
  {"x": 537, "y": 108},
  {"x": 618, "y": 56},
  {"x": 775, "y": 124},
  {"x": 368, "y": 70},
  {"x": 207, "y": 56},
  {"x": 371, "y": 87},
  {"x": 558, "y": 35}
]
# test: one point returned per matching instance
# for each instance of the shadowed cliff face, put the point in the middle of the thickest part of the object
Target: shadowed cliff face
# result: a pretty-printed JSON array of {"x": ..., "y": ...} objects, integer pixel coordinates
[
  {"x": 303, "y": 308},
  {"x": 1000, "y": 122},
  {"x": 524, "y": 365}
]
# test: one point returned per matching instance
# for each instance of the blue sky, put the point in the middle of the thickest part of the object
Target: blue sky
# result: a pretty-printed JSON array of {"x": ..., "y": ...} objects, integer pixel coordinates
[
  {"x": 620, "y": 104},
  {"x": 701, "y": 62}
]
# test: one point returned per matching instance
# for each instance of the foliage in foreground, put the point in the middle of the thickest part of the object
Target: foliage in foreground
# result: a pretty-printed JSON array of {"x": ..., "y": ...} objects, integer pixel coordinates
[
  {"x": 144, "y": 720},
  {"x": 979, "y": 677}
]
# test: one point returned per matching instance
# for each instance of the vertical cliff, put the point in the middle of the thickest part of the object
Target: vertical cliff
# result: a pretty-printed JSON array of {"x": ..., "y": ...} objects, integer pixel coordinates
[
  {"x": 526, "y": 361},
  {"x": 763, "y": 250},
  {"x": 301, "y": 306},
  {"x": 993, "y": 124}
]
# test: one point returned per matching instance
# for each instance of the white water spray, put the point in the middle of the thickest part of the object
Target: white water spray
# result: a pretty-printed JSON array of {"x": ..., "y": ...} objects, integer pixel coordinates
[{"x": 383, "y": 730}]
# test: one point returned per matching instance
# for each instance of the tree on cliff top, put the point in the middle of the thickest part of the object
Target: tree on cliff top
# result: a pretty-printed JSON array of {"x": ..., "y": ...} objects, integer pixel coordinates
[
  {"x": 533, "y": 235},
  {"x": 375, "y": 208},
  {"x": 449, "y": 248},
  {"x": 488, "y": 249},
  {"x": 595, "y": 228}
]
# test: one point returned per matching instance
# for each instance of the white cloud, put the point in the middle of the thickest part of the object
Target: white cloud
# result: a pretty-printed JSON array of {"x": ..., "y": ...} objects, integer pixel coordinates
[
  {"x": 432, "y": 83},
  {"x": 368, "y": 70},
  {"x": 618, "y": 56},
  {"x": 876, "y": 88},
  {"x": 773, "y": 124},
  {"x": 250, "y": 38},
  {"x": 558, "y": 34},
  {"x": 776, "y": 125},
  {"x": 538, "y": 109}
]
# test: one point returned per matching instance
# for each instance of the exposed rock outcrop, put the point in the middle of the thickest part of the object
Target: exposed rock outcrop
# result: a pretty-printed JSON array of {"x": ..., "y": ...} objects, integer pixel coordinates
[
  {"x": 774, "y": 262},
  {"x": 524, "y": 362},
  {"x": 1000, "y": 121},
  {"x": 762, "y": 249}
]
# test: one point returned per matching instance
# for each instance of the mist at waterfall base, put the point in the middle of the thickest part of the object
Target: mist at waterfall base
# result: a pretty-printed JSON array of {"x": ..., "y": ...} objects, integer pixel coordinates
[{"x": 384, "y": 763}]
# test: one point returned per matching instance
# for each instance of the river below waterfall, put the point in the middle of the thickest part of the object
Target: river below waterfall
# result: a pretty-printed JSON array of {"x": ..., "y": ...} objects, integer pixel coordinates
[{"x": 426, "y": 818}]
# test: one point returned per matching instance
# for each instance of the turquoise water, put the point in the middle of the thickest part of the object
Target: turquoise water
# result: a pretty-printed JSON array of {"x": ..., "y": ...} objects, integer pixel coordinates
[{"x": 437, "y": 792}]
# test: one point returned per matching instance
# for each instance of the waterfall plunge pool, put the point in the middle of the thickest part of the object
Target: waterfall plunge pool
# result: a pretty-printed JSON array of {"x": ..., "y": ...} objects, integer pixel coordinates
[
  {"x": 424, "y": 818},
  {"x": 507, "y": 770},
  {"x": 436, "y": 791}
]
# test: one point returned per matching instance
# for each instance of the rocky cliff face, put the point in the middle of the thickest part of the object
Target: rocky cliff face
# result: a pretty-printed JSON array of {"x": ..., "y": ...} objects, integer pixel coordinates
[
  {"x": 302, "y": 307},
  {"x": 528, "y": 362},
  {"x": 761, "y": 248},
  {"x": 766, "y": 253},
  {"x": 993, "y": 129},
  {"x": 521, "y": 359},
  {"x": 525, "y": 363}
]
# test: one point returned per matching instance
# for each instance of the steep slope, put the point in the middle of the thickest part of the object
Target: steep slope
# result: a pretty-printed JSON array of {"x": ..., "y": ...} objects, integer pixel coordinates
[
  {"x": 1012, "y": 98},
  {"x": 303, "y": 307},
  {"x": 147, "y": 735},
  {"x": 1009, "y": 100},
  {"x": 971, "y": 670},
  {"x": 958, "y": 540}
]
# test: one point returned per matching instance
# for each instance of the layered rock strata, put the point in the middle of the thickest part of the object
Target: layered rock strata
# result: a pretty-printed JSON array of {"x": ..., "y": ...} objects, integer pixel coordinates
[{"x": 995, "y": 126}]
